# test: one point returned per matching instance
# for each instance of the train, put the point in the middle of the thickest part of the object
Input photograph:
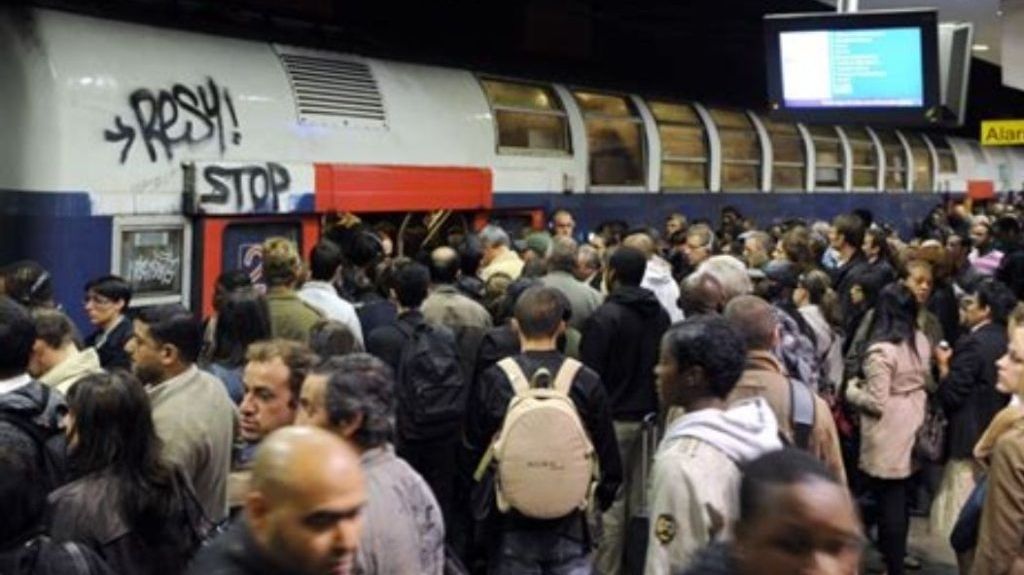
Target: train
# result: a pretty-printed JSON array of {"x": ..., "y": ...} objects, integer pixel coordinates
[{"x": 167, "y": 156}]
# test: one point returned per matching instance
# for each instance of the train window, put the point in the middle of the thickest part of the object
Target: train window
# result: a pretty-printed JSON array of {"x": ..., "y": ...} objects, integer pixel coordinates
[
  {"x": 616, "y": 139},
  {"x": 529, "y": 118},
  {"x": 865, "y": 159},
  {"x": 151, "y": 253},
  {"x": 684, "y": 148},
  {"x": 741, "y": 150},
  {"x": 947, "y": 159},
  {"x": 788, "y": 156},
  {"x": 828, "y": 157},
  {"x": 922, "y": 163},
  {"x": 895, "y": 161}
]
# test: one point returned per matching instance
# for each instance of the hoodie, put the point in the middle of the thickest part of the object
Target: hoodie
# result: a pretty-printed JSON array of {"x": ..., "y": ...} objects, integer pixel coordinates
[
  {"x": 621, "y": 341},
  {"x": 66, "y": 373},
  {"x": 658, "y": 278},
  {"x": 694, "y": 497},
  {"x": 45, "y": 408}
]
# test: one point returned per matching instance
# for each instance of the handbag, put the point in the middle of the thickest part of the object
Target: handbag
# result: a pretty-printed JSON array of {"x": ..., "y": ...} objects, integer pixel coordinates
[{"x": 930, "y": 442}]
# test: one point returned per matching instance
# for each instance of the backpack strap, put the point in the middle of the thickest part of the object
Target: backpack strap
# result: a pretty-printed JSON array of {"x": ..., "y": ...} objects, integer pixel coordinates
[
  {"x": 801, "y": 407},
  {"x": 515, "y": 375},
  {"x": 566, "y": 375}
]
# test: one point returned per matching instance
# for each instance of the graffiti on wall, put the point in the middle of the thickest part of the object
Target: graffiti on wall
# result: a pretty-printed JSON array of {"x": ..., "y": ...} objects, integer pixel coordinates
[
  {"x": 243, "y": 188},
  {"x": 163, "y": 121}
]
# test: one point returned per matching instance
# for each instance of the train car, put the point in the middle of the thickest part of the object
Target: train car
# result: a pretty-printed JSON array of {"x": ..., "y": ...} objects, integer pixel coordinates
[{"x": 167, "y": 156}]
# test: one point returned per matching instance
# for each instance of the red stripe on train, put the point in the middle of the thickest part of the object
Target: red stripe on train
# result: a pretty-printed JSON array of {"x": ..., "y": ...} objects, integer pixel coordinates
[{"x": 362, "y": 188}]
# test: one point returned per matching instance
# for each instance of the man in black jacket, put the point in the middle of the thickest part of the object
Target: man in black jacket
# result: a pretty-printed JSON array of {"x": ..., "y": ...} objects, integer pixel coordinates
[
  {"x": 523, "y": 544},
  {"x": 303, "y": 510},
  {"x": 968, "y": 372},
  {"x": 845, "y": 237},
  {"x": 621, "y": 340}
]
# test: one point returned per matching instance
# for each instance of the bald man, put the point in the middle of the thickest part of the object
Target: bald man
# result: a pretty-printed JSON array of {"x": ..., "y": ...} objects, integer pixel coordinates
[
  {"x": 446, "y": 305},
  {"x": 303, "y": 510},
  {"x": 658, "y": 276}
]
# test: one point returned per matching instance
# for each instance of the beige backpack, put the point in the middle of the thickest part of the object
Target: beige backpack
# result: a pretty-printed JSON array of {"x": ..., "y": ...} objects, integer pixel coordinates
[{"x": 546, "y": 465}]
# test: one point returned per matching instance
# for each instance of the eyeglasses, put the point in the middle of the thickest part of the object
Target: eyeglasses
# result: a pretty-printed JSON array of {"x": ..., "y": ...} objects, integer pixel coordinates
[{"x": 96, "y": 299}]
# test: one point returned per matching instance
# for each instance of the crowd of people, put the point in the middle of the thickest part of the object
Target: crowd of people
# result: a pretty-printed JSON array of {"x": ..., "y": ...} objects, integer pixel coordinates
[{"x": 688, "y": 399}]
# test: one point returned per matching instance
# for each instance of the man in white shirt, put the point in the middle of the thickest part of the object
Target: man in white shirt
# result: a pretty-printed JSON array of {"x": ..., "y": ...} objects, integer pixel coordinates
[{"x": 324, "y": 265}]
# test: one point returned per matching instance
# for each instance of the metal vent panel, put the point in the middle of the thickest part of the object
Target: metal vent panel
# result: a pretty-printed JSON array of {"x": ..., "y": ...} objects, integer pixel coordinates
[{"x": 335, "y": 91}]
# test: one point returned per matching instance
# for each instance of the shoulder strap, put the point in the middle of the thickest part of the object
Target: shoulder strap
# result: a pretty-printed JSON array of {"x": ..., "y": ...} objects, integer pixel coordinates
[
  {"x": 566, "y": 375},
  {"x": 515, "y": 375},
  {"x": 77, "y": 557},
  {"x": 801, "y": 405}
]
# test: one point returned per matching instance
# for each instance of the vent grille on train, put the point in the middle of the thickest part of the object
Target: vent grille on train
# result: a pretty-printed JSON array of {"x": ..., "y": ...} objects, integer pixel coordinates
[{"x": 331, "y": 90}]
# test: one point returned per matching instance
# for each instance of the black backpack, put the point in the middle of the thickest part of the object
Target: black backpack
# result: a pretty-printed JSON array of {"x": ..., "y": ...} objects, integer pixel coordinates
[
  {"x": 50, "y": 444},
  {"x": 431, "y": 388}
]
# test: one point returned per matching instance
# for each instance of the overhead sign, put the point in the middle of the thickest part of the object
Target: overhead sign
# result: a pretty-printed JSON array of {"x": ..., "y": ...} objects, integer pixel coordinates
[{"x": 1002, "y": 133}]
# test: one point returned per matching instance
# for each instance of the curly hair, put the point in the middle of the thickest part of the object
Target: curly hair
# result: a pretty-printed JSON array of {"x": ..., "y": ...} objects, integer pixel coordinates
[
  {"x": 359, "y": 384},
  {"x": 712, "y": 344}
]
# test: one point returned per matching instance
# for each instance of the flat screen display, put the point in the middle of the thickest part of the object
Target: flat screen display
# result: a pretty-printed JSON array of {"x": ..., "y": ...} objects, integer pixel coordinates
[
  {"x": 867, "y": 66},
  {"x": 838, "y": 68}
]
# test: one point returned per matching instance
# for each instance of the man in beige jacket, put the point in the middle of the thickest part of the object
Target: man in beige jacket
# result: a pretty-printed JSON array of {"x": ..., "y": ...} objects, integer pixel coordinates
[
  {"x": 764, "y": 376},
  {"x": 56, "y": 359}
]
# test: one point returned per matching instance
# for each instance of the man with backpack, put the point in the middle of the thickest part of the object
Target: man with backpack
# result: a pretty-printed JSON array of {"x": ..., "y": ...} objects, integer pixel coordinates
[
  {"x": 430, "y": 385},
  {"x": 805, "y": 420},
  {"x": 30, "y": 412},
  {"x": 541, "y": 430}
]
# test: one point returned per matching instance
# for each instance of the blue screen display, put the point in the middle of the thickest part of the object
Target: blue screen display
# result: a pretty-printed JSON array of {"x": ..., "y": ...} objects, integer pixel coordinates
[{"x": 852, "y": 68}]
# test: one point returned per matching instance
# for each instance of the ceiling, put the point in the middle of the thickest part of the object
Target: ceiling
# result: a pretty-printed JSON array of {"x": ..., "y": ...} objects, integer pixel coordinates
[{"x": 983, "y": 13}]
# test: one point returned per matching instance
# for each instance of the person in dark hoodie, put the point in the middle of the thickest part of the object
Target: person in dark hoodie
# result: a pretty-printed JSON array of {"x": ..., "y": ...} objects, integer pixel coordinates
[
  {"x": 620, "y": 342},
  {"x": 846, "y": 237},
  {"x": 795, "y": 517},
  {"x": 30, "y": 411}
]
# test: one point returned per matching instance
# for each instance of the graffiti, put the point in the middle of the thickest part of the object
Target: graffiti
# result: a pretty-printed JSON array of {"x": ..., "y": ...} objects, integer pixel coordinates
[
  {"x": 256, "y": 187},
  {"x": 165, "y": 120},
  {"x": 158, "y": 266}
]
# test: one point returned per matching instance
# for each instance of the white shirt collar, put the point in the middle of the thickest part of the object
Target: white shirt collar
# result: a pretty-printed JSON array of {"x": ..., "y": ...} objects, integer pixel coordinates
[{"x": 15, "y": 383}]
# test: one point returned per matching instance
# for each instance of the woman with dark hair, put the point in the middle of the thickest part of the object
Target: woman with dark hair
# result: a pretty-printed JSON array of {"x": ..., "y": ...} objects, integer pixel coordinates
[
  {"x": 129, "y": 506},
  {"x": 243, "y": 319},
  {"x": 891, "y": 401},
  {"x": 819, "y": 306},
  {"x": 24, "y": 548}
]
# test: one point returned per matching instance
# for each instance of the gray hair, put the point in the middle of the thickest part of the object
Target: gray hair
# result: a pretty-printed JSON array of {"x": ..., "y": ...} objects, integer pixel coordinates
[
  {"x": 562, "y": 254},
  {"x": 493, "y": 235},
  {"x": 731, "y": 274},
  {"x": 359, "y": 384},
  {"x": 590, "y": 256}
]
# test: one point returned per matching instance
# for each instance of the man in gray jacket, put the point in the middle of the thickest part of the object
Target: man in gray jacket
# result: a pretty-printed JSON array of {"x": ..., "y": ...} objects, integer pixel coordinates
[
  {"x": 193, "y": 414},
  {"x": 352, "y": 396},
  {"x": 583, "y": 299}
]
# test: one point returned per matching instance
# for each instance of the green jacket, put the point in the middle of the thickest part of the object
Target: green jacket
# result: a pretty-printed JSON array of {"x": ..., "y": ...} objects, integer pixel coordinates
[{"x": 290, "y": 317}]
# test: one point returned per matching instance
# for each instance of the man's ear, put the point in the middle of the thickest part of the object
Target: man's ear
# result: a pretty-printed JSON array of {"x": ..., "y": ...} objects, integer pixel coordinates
[
  {"x": 257, "y": 510},
  {"x": 515, "y": 327}
]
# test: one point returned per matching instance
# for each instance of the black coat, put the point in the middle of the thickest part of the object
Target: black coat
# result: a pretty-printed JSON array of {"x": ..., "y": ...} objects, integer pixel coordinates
[
  {"x": 494, "y": 392},
  {"x": 235, "y": 552},
  {"x": 843, "y": 278},
  {"x": 112, "y": 353},
  {"x": 49, "y": 558},
  {"x": 968, "y": 394},
  {"x": 621, "y": 341}
]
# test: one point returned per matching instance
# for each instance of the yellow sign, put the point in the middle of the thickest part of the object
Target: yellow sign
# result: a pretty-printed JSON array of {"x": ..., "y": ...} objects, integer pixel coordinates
[{"x": 1002, "y": 133}]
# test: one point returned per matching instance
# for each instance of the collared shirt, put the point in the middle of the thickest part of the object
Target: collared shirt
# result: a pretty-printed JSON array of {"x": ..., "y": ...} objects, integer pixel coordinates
[
  {"x": 15, "y": 383},
  {"x": 323, "y": 296},
  {"x": 102, "y": 338}
]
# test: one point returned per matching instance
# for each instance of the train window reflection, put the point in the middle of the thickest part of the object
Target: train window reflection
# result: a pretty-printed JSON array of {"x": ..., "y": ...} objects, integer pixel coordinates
[
  {"x": 947, "y": 159},
  {"x": 788, "y": 156},
  {"x": 865, "y": 158},
  {"x": 529, "y": 118},
  {"x": 741, "y": 150},
  {"x": 828, "y": 157},
  {"x": 616, "y": 140},
  {"x": 684, "y": 148},
  {"x": 895, "y": 161},
  {"x": 922, "y": 163}
]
